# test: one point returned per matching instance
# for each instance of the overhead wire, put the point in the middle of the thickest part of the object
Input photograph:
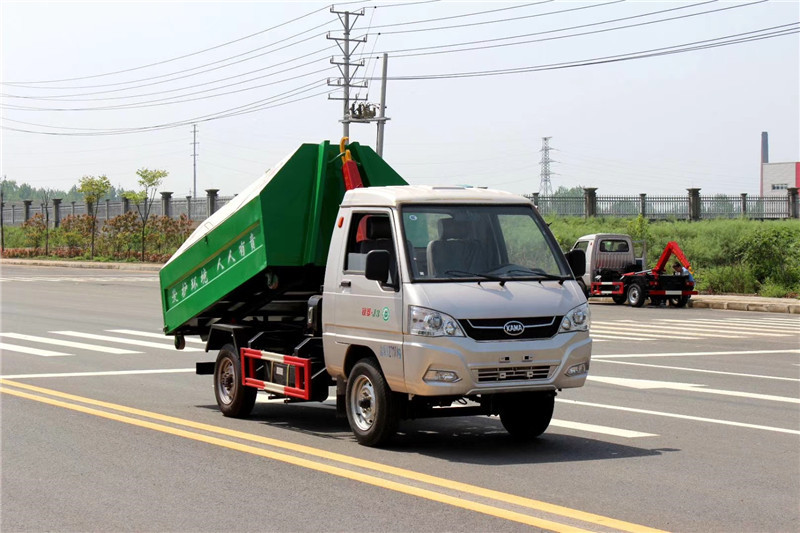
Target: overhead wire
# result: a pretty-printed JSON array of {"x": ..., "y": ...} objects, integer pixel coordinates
[
  {"x": 472, "y": 14},
  {"x": 685, "y": 47},
  {"x": 399, "y": 54},
  {"x": 235, "y": 111},
  {"x": 654, "y": 52},
  {"x": 448, "y": 51},
  {"x": 271, "y": 101},
  {"x": 327, "y": 23},
  {"x": 179, "y": 99},
  {"x": 55, "y": 97},
  {"x": 511, "y": 19},
  {"x": 17, "y": 83}
]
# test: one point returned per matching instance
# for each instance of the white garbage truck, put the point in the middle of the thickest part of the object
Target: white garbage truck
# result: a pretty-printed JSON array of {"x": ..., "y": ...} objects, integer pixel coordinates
[{"x": 412, "y": 301}]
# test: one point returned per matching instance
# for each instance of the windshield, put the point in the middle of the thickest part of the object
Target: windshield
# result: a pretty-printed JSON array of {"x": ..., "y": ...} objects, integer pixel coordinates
[{"x": 480, "y": 242}]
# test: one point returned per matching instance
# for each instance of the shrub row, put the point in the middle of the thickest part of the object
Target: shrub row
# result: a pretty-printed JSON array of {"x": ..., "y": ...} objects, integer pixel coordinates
[{"x": 118, "y": 239}]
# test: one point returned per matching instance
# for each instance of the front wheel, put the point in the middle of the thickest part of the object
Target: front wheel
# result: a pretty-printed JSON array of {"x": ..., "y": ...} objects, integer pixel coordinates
[
  {"x": 583, "y": 288},
  {"x": 636, "y": 294},
  {"x": 233, "y": 398},
  {"x": 371, "y": 407},
  {"x": 527, "y": 415}
]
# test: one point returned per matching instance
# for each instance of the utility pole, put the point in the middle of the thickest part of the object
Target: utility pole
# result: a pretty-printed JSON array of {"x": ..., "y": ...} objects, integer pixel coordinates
[
  {"x": 545, "y": 188},
  {"x": 2, "y": 208},
  {"x": 346, "y": 81},
  {"x": 194, "y": 160},
  {"x": 382, "y": 117}
]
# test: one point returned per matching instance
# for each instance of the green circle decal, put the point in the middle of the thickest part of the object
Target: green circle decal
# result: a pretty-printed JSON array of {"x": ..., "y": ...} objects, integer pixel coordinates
[{"x": 385, "y": 314}]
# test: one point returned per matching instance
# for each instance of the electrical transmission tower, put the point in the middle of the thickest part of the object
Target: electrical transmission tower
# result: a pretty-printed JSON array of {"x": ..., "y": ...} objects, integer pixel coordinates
[
  {"x": 348, "y": 19},
  {"x": 545, "y": 188}
]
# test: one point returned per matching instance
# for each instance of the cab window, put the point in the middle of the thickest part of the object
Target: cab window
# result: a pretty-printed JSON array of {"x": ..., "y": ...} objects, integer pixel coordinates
[{"x": 614, "y": 245}]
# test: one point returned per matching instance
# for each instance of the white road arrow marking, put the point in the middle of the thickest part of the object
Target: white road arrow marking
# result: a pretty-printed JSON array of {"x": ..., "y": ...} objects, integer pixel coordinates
[{"x": 645, "y": 384}]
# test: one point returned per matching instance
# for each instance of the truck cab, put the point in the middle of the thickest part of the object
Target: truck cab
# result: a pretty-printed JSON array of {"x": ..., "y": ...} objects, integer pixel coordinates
[
  {"x": 473, "y": 300},
  {"x": 608, "y": 255}
]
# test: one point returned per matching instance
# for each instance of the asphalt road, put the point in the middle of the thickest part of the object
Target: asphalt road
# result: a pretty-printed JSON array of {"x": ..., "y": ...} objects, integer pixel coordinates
[{"x": 690, "y": 422}]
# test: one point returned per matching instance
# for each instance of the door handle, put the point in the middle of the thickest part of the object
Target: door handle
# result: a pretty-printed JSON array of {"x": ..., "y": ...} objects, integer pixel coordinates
[{"x": 345, "y": 283}]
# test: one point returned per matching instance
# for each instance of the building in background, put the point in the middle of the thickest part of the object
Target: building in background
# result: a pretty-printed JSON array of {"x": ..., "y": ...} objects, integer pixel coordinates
[{"x": 776, "y": 178}]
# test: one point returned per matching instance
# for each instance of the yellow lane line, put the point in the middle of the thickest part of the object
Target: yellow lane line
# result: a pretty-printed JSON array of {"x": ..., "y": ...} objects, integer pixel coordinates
[
  {"x": 312, "y": 465},
  {"x": 362, "y": 463}
]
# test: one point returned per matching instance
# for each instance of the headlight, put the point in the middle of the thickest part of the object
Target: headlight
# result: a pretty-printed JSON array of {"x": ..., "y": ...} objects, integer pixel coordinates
[
  {"x": 430, "y": 323},
  {"x": 578, "y": 319}
]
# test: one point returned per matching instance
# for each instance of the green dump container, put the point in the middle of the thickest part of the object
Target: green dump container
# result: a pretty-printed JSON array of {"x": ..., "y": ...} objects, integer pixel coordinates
[{"x": 283, "y": 222}]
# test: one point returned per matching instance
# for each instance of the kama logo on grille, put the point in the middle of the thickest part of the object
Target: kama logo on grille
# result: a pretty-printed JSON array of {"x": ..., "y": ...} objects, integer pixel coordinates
[{"x": 513, "y": 327}]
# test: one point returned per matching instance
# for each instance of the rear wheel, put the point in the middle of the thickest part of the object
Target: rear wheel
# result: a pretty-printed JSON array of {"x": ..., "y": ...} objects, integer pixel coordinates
[
  {"x": 636, "y": 294},
  {"x": 233, "y": 398},
  {"x": 680, "y": 301},
  {"x": 371, "y": 407},
  {"x": 527, "y": 415}
]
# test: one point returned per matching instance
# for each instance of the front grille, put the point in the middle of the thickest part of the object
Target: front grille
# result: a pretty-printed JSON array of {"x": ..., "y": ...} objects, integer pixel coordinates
[
  {"x": 494, "y": 329},
  {"x": 514, "y": 373}
]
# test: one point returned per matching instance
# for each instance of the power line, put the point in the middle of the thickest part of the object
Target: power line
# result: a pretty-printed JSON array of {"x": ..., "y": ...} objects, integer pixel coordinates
[
  {"x": 165, "y": 101},
  {"x": 472, "y": 14},
  {"x": 22, "y": 84},
  {"x": 399, "y": 54},
  {"x": 511, "y": 19},
  {"x": 236, "y": 111},
  {"x": 18, "y": 83},
  {"x": 654, "y": 52},
  {"x": 189, "y": 75}
]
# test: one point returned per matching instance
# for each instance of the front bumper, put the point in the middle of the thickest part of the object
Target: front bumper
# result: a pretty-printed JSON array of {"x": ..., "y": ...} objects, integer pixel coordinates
[{"x": 497, "y": 366}]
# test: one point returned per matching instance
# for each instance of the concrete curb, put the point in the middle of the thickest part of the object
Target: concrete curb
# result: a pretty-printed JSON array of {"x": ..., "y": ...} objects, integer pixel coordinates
[
  {"x": 141, "y": 267},
  {"x": 768, "y": 305}
]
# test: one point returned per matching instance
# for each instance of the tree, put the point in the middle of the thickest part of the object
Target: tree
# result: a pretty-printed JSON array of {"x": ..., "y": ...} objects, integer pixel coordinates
[
  {"x": 47, "y": 195},
  {"x": 149, "y": 181},
  {"x": 93, "y": 189}
]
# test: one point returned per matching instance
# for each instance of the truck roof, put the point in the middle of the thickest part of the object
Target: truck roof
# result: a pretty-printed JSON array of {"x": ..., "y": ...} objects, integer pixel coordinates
[
  {"x": 595, "y": 236},
  {"x": 411, "y": 194}
]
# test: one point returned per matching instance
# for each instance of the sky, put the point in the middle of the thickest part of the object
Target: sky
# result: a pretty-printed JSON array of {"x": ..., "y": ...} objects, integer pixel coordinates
[{"x": 107, "y": 87}]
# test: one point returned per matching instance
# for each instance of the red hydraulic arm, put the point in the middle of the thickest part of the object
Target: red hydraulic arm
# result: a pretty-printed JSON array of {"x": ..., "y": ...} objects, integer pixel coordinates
[
  {"x": 671, "y": 248},
  {"x": 352, "y": 178}
]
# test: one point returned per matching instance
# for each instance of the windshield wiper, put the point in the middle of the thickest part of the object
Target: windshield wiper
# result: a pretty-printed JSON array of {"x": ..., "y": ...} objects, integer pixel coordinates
[
  {"x": 540, "y": 276},
  {"x": 464, "y": 274}
]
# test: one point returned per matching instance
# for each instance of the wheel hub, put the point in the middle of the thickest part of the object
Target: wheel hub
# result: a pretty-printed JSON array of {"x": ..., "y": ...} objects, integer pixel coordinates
[{"x": 361, "y": 406}]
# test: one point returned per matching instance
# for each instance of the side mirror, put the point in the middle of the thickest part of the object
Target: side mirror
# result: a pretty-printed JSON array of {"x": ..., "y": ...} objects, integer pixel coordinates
[
  {"x": 377, "y": 266},
  {"x": 577, "y": 262}
]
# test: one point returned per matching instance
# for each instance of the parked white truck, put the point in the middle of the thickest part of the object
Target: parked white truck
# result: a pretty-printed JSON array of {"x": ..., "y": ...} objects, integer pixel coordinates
[{"x": 438, "y": 301}]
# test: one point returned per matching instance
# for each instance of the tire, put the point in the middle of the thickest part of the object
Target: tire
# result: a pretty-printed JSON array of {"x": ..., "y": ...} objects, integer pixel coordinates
[
  {"x": 583, "y": 288},
  {"x": 636, "y": 294},
  {"x": 680, "y": 301},
  {"x": 527, "y": 415},
  {"x": 372, "y": 410},
  {"x": 619, "y": 299},
  {"x": 233, "y": 398}
]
